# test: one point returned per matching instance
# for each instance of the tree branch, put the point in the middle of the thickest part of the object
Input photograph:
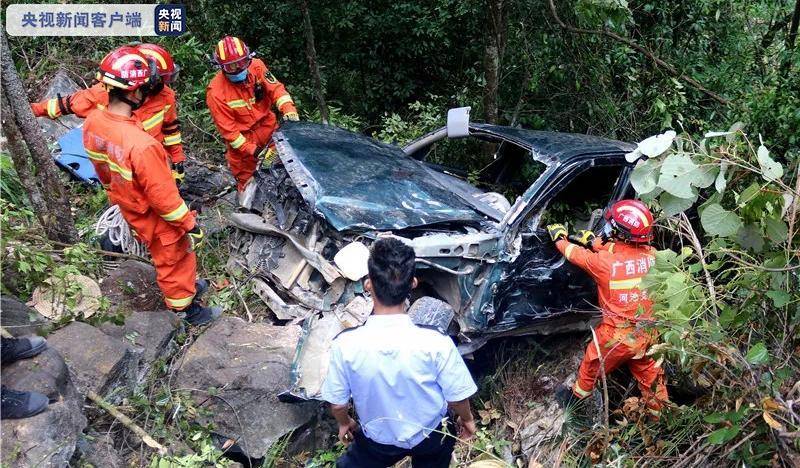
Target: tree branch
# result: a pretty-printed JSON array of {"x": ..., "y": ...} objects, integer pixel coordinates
[{"x": 671, "y": 69}]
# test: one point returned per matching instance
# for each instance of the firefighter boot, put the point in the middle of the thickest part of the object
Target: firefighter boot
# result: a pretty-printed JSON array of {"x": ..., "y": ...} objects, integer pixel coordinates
[{"x": 197, "y": 314}]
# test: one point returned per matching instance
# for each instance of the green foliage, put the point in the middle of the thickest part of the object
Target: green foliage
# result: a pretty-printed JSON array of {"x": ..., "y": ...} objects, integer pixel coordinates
[
  {"x": 727, "y": 306},
  {"x": 10, "y": 186}
]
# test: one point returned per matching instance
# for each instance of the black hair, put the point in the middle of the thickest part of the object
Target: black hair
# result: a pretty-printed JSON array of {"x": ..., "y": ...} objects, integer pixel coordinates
[{"x": 391, "y": 270}]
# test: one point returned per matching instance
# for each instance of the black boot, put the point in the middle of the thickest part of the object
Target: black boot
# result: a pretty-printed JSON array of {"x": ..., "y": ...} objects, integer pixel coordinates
[
  {"x": 197, "y": 314},
  {"x": 200, "y": 286},
  {"x": 20, "y": 405},
  {"x": 14, "y": 349}
]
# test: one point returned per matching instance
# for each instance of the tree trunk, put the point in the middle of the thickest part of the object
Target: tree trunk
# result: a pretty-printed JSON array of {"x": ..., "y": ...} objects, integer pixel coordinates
[
  {"x": 56, "y": 216},
  {"x": 491, "y": 58},
  {"x": 792, "y": 37},
  {"x": 19, "y": 155},
  {"x": 311, "y": 55}
]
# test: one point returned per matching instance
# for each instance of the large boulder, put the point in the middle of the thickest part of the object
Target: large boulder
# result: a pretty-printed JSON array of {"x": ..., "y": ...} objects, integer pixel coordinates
[
  {"x": 132, "y": 286},
  {"x": 249, "y": 364},
  {"x": 97, "y": 361},
  {"x": 61, "y": 84},
  {"x": 19, "y": 319},
  {"x": 47, "y": 439}
]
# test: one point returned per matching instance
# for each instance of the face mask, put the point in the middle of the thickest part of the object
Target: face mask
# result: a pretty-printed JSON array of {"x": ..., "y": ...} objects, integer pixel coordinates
[{"x": 237, "y": 77}]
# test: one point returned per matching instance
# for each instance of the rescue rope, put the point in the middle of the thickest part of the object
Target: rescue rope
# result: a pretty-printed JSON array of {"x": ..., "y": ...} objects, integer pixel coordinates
[{"x": 119, "y": 233}]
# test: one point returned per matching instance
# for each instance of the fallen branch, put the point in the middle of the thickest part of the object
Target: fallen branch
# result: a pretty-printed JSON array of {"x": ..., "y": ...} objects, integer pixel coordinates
[
  {"x": 671, "y": 69},
  {"x": 127, "y": 422}
]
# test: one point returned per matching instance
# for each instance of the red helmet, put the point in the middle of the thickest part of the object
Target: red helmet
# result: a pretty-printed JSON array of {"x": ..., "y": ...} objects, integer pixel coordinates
[
  {"x": 166, "y": 66},
  {"x": 632, "y": 220},
  {"x": 125, "y": 68},
  {"x": 232, "y": 55}
]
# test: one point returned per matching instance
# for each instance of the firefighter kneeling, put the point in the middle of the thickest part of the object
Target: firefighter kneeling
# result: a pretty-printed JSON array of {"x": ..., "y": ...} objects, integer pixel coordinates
[
  {"x": 617, "y": 263},
  {"x": 134, "y": 169}
]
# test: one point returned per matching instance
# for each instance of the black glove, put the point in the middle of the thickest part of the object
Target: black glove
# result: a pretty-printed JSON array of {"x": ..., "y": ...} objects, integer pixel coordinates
[
  {"x": 196, "y": 237},
  {"x": 583, "y": 237},
  {"x": 557, "y": 231},
  {"x": 178, "y": 173}
]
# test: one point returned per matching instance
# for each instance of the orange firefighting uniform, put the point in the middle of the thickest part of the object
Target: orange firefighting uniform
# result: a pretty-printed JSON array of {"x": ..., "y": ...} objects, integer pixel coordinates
[
  {"x": 134, "y": 169},
  {"x": 245, "y": 123},
  {"x": 158, "y": 114},
  {"x": 618, "y": 268}
]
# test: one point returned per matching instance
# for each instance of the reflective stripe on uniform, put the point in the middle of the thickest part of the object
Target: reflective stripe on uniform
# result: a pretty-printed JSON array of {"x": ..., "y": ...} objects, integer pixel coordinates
[
  {"x": 238, "y": 142},
  {"x": 174, "y": 139},
  {"x": 179, "y": 302},
  {"x": 581, "y": 392},
  {"x": 624, "y": 284},
  {"x": 237, "y": 103},
  {"x": 569, "y": 250},
  {"x": 611, "y": 248},
  {"x": 156, "y": 119},
  {"x": 126, "y": 173},
  {"x": 52, "y": 108},
  {"x": 177, "y": 213},
  {"x": 283, "y": 100}
]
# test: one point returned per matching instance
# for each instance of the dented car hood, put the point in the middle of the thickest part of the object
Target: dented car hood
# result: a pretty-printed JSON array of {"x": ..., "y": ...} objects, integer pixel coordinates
[{"x": 356, "y": 182}]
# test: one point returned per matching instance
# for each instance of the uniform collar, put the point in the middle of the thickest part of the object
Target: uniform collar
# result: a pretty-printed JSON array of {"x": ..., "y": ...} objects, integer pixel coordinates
[{"x": 391, "y": 320}]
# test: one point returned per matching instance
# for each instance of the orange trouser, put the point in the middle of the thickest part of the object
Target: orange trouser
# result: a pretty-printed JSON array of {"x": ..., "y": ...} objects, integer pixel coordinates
[
  {"x": 242, "y": 166},
  {"x": 176, "y": 271},
  {"x": 623, "y": 346}
]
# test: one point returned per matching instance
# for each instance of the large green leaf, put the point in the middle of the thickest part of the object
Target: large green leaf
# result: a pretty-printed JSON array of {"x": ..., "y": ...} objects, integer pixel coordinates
[
  {"x": 645, "y": 176},
  {"x": 718, "y": 221},
  {"x": 770, "y": 169},
  {"x": 749, "y": 194},
  {"x": 705, "y": 175},
  {"x": 721, "y": 436},
  {"x": 757, "y": 354},
  {"x": 749, "y": 236},
  {"x": 777, "y": 231},
  {"x": 779, "y": 298},
  {"x": 673, "y": 205},
  {"x": 677, "y": 174}
]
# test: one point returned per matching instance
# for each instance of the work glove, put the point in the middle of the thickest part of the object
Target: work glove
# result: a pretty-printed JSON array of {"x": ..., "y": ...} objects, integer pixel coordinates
[
  {"x": 557, "y": 231},
  {"x": 196, "y": 237},
  {"x": 178, "y": 173},
  {"x": 268, "y": 155},
  {"x": 291, "y": 116},
  {"x": 583, "y": 237}
]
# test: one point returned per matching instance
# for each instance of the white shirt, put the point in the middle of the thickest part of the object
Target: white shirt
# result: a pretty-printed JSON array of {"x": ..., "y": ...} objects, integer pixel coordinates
[{"x": 400, "y": 377}]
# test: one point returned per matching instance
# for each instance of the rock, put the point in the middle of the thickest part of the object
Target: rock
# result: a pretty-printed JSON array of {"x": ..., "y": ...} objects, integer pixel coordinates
[
  {"x": 19, "y": 319},
  {"x": 64, "y": 85},
  {"x": 148, "y": 332},
  {"x": 250, "y": 364},
  {"x": 97, "y": 450},
  {"x": 132, "y": 286},
  {"x": 97, "y": 361},
  {"x": 49, "y": 438}
]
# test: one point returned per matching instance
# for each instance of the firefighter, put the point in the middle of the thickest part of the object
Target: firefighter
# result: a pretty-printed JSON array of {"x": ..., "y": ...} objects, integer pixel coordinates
[
  {"x": 158, "y": 115},
  {"x": 134, "y": 169},
  {"x": 618, "y": 262},
  {"x": 240, "y": 97}
]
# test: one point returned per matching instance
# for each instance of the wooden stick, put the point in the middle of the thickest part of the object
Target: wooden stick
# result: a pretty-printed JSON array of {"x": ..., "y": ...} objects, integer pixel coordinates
[{"x": 127, "y": 422}]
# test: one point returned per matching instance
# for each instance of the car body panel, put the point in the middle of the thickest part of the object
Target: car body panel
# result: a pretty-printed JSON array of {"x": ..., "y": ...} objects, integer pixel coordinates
[{"x": 356, "y": 182}]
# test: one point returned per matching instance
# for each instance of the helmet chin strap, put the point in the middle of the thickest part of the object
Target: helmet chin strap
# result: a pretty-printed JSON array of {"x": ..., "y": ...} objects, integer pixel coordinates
[{"x": 134, "y": 105}]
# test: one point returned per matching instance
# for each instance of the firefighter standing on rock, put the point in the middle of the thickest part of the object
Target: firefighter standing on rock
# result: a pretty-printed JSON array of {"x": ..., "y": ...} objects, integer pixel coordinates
[
  {"x": 240, "y": 97},
  {"x": 134, "y": 169},
  {"x": 617, "y": 264}
]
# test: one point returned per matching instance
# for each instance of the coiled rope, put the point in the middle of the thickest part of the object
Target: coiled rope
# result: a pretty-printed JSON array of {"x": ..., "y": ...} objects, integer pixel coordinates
[{"x": 119, "y": 233}]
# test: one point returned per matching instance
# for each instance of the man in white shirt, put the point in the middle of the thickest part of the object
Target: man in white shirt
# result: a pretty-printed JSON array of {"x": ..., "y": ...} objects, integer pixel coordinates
[{"x": 402, "y": 378}]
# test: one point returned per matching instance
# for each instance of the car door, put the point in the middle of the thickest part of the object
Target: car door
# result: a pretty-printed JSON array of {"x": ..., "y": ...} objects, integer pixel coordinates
[{"x": 537, "y": 284}]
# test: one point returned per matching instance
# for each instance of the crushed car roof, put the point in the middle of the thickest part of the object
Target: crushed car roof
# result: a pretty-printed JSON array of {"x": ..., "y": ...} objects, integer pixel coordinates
[
  {"x": 356, "y": 182},
  {"x": 552, "y": 146}
]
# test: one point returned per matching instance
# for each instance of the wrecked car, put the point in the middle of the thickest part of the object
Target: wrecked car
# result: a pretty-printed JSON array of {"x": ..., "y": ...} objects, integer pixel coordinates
[{"x": 486, "y": 266}]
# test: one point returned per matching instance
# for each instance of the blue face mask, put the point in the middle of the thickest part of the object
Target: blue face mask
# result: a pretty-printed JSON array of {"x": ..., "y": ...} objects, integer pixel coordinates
[{"x": 238, "y": 77}]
